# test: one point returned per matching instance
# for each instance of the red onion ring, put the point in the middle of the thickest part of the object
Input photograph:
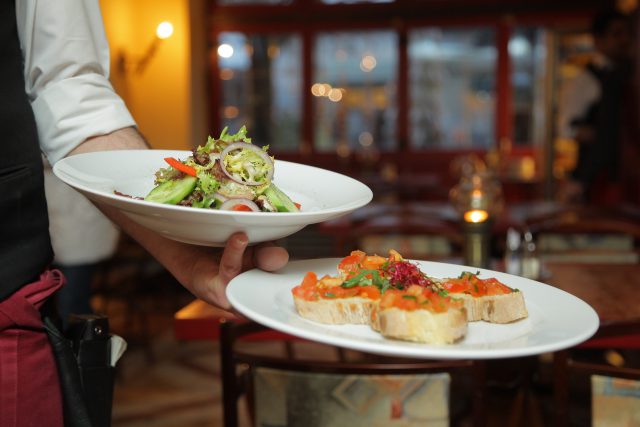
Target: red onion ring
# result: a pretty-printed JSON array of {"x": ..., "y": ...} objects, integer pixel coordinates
[
  {"x": 246, "y": 146},
  {"x": 220, "y": 197},
  {"x": 245, "y": 192},
  {"x": 229, "y": 204}
]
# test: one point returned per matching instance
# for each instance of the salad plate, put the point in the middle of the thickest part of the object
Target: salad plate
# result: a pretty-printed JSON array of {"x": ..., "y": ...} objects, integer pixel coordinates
[
  {"x": 322, "y": 194},
  {"x": 556, "y": 320}
]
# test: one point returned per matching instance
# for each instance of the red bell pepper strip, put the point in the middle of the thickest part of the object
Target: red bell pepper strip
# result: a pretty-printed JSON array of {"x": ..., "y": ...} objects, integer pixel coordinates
[{"x": 181, "y": 166}]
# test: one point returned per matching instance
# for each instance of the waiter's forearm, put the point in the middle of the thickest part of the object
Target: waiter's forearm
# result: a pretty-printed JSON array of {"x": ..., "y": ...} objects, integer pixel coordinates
[{"x": 123, "y": 139}]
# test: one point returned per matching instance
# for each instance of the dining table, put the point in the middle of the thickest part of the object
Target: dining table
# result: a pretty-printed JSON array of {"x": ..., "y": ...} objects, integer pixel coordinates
[
  {"x": 611, "y": 289},
  {"x": 513, "y": 215}
]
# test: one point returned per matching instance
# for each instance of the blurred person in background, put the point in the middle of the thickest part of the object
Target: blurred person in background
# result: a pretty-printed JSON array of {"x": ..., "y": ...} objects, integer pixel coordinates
[{"x": 593, "y": 111}]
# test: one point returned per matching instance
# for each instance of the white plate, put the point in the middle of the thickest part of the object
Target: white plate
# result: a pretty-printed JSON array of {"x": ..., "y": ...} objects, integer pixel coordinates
[
  {"x": 323, "y": 195},
  {"x": 557, "y": 319}
]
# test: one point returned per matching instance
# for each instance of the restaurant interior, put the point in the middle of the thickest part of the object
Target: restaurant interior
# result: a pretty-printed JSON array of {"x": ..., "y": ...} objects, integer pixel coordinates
[{"x": 451, "y": 113}]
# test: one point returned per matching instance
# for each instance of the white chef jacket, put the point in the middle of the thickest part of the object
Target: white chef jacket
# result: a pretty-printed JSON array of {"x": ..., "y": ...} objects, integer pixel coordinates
[{"x": 66, "y": 63}]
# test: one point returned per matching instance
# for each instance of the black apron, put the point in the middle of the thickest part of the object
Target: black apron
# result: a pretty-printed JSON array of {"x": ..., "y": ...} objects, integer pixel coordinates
[{"x": 25, "y": 246}]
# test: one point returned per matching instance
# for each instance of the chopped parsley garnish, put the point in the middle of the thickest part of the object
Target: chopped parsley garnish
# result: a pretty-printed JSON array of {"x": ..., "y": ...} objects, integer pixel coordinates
[
  {"x": 468, "y": 275},
  {"x": 367, "y": 278}
]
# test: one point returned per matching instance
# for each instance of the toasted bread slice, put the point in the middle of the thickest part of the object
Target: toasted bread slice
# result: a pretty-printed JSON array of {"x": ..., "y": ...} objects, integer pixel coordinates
[
  {"x": 505, "y": 308},
  {"x": 324, "y": 300},
  {"x": 339, "y": 311},
  {"x": 485, "y": 299},
  {"x": 419, "y": 314},
  {"x": 421, "y": 325}
]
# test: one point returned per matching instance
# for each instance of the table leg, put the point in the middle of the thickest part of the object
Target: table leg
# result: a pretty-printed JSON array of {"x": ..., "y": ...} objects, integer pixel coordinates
[{"x": 561, "y": 387}]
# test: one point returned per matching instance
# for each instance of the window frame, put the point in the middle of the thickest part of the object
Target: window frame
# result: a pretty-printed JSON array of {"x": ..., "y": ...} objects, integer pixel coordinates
[{"x": 307, "y": 18}]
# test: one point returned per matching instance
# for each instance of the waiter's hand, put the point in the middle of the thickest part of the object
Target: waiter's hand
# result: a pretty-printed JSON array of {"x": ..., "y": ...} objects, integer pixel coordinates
[{"x": 211, "y": 276}]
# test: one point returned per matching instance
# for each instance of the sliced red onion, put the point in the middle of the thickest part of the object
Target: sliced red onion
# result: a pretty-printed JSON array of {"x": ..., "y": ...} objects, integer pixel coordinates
[
  {"x": 229, "y": 204},
  {"x": 240, "y": 192},
  {"x": 220, "y": 196},
  {"x": 246, "y": 146}
]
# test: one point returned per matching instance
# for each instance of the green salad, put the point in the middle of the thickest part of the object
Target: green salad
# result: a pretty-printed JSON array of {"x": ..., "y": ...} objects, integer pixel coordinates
[{"x": 228, "y": 173}]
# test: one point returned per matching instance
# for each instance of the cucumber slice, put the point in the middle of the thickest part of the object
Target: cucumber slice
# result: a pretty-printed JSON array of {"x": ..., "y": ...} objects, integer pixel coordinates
[
  {"x": 173, "y": 191},
  {"x": 279, "y": 200}
]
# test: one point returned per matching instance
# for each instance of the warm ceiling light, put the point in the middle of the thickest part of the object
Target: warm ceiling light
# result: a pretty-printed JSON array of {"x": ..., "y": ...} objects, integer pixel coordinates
[
  {"x": 335, "y": 95},
  {"x": 368, "y": 63},
  {"x": 225, "y": 50},
  {"x": 164, "y": 30},
  {"x": 317, "y": 89},
  {"x": 365, "y": 139}
]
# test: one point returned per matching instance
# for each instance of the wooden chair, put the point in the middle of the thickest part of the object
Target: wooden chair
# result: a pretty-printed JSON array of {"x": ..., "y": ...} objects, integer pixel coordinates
[
  {"x": 238, "y": 381},
  {"x": 592, "y": 222}
]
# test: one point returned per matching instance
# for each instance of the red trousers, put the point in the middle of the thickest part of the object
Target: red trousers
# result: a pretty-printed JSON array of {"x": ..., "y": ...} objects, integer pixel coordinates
[{"x": 29, "y": 386}]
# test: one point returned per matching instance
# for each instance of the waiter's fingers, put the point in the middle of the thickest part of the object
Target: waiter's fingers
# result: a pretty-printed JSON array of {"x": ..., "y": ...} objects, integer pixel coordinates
[
  {"x": 269, "y": 257},
  {"x": 230, "y": 266}
]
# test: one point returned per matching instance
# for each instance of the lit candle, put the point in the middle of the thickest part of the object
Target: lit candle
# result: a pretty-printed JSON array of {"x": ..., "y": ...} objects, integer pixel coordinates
[{"x": 476, "y": 216}]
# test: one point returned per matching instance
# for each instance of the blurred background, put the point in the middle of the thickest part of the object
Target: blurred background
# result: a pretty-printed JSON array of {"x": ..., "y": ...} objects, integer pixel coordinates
[
  {"x": 442, "y": 107},
  {"x": 390, "y": 92}
]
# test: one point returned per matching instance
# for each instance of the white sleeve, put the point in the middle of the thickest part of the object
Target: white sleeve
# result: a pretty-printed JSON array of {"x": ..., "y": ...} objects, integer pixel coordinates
[
  {"x": 576, "y": 97},
  {"x": 66, "y": 70}
]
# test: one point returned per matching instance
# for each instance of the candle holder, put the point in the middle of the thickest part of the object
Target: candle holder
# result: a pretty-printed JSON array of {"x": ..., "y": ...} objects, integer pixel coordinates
[
  {"x": 477, "y": 198},
  {"x": 476, "y": 228}
]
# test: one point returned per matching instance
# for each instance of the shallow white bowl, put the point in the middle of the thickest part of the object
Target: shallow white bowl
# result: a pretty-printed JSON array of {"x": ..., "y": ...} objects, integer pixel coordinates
[{"x": 323, "y": 194}]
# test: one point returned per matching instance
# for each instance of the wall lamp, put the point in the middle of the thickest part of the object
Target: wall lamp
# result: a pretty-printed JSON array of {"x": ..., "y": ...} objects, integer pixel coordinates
[{"x": 138, "y": 65}]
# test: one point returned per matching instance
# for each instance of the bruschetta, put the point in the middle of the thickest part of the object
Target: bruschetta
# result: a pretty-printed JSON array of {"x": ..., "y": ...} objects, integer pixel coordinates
[
  {"x": 420, "y": 314},
  {"x": 326, "y": 301},
  {"x": 350, "y": 296},
  {"x": 485, "y": 299}
]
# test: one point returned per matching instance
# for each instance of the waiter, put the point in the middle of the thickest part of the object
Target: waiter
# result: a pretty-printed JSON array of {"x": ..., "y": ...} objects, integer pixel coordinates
[{"x": 55, "y": 97}]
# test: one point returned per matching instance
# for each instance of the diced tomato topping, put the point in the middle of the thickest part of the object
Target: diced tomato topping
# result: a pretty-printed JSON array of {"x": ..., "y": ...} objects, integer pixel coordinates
[
  {"x": 373, "y": 262},
  {"x": 495, "y": 287},
  {"x": 241, "y": 207},
  {"x": 472, "y": 285},
  {"x": 351, "y": 263},
  {"x": 418, "y": 298}
]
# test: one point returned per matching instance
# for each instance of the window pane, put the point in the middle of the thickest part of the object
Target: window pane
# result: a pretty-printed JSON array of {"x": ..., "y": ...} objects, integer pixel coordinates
[
  {"x": 261, "y": 87},
  {"x": 354, "y": 91},
  {"x": 527, "y": 52},
  {"x": 452, "y": 87}
]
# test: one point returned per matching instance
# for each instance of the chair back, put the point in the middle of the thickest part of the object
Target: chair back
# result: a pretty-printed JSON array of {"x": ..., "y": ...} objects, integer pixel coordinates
[
  {"x": 283, "y": 389},
  {"x": 415, "y": 234}
]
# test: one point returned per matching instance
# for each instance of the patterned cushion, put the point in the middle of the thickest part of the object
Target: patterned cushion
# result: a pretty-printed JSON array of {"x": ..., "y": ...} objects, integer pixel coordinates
[
  {"x": 285, "y": 398},
  {"x": 615, "y": 401}
]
